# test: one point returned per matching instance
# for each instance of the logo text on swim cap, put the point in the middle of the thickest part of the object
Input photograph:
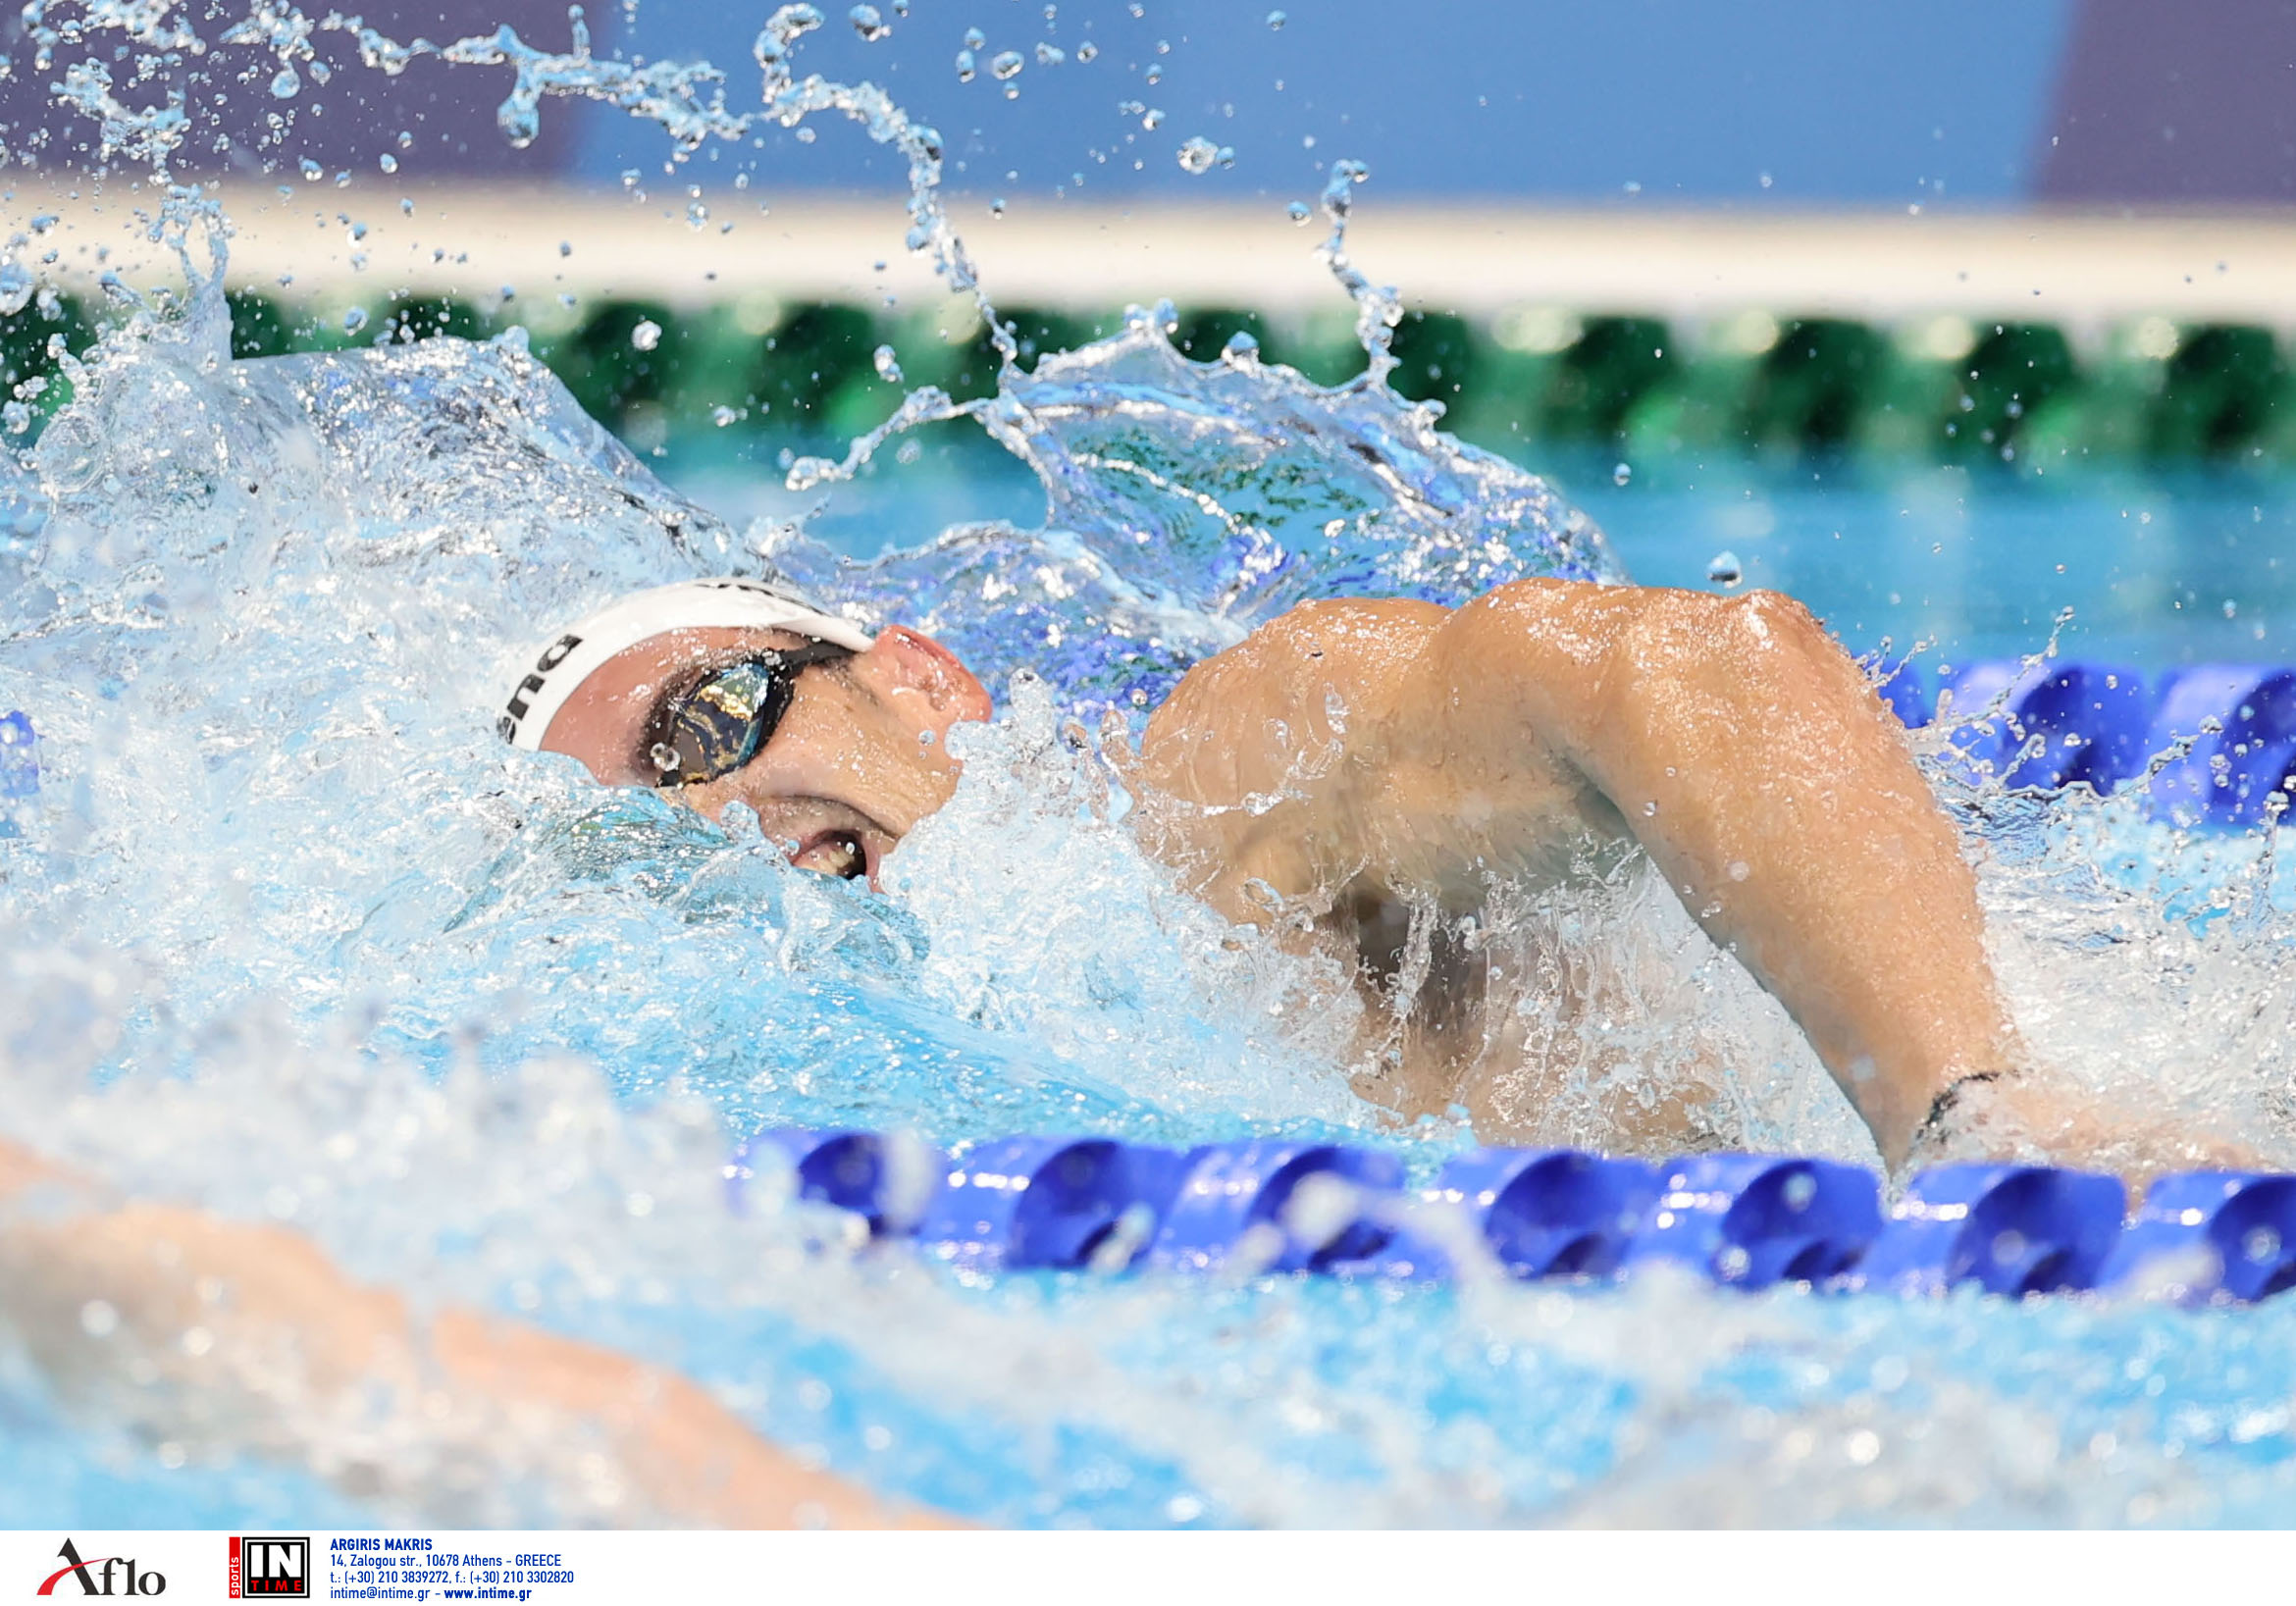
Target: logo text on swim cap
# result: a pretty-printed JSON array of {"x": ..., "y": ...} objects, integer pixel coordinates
[{"x": 553, "y": 656}]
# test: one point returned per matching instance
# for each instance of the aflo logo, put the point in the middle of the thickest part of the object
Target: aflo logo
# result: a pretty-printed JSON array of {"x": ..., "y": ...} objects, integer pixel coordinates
[{"x": 99, "y": 1576}]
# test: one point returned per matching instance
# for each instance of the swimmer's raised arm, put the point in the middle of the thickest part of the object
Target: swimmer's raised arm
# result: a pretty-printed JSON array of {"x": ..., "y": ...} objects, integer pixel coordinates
[
  {"x": 1755, "y": 764},
  {"x": 1419, "y": 749},
  {"x": 248, "y": 1337}
]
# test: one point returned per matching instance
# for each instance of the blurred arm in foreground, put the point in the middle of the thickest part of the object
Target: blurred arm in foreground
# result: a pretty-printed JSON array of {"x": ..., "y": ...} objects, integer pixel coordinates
[{"x": 248, "y": 1340}]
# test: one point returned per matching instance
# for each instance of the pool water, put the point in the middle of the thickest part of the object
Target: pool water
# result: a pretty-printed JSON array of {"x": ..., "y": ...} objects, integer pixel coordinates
[
  {"x": 2157, "y": 569},
  {"x": 286, "y": 931}
]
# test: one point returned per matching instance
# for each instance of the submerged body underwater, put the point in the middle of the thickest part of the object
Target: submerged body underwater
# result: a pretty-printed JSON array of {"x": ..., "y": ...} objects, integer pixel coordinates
[{"x": 290, "y": 935}]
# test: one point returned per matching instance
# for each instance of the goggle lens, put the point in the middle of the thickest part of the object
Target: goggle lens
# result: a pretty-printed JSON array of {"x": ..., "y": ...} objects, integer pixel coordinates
[{"x": 726, "y": 720}]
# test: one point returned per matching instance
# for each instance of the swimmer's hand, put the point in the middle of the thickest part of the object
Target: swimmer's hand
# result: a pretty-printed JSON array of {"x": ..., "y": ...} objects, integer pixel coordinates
[
  {"x": 2040, "y": 1116},
  {"x": 247, "y": 1339}
]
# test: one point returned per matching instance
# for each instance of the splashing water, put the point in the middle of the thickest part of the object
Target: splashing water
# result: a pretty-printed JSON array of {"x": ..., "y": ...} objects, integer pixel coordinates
[{"x": 288, "y": 932}]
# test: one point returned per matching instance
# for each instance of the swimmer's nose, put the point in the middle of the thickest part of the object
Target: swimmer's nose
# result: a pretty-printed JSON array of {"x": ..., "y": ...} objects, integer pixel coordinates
[{"x": 909, "y": 660}]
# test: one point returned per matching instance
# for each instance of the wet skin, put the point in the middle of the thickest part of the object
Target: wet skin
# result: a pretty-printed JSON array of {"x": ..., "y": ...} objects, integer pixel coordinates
[{"x": 1354, "y": 760}]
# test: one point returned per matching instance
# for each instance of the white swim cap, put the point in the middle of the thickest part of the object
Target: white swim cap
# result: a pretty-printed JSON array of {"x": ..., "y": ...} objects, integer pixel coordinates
[{"x": 561, "y": 667}]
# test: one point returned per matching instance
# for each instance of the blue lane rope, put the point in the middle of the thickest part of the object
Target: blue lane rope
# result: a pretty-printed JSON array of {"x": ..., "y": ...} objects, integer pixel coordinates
[
  {"x": 2102, "y": 724},
  {"x": 1741, "y": 1220}
]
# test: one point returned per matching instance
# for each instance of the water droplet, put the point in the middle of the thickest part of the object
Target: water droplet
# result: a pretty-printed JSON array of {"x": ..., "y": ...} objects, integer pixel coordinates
[
  {"x": 1299, "y": 212},
  {"x": 804, "y": 473},
  {"x": 1620, "y": 475},
  {"x": 1276, "y": 19},
  {"x": 520, "y": 122},
  {"x": 1241, "y": 347},
  {"x": 1198, "y": 154},
  {"x": 1006, "y": 64},
  {"x": 664, "y": 756},
  {"x": 869, "y": 22},
  {"x": 2231, "y": 608},
  {"x": 974, "y": 38},
  {"x": 721, "y": 415},
  {"x": 1151, "y": 117},
  {"x": 965, "y": 66},
  {"x": 647, "y": 336},
  {"x": 2261, "y": 1244},
  {"x": 387, "y": 162},
  {"x": 888, "y": 366},
  {"x": 1724, "y": 569},
  {"x": 354, "y": 320},
  {"x": 1800, "y": 1190},
  {"x": 285, "y": 85},
  {"x": 1050, "y": 55},
  {"x": 406, "y": 140},
  {"x": 996, "y": 206},
  {"x": 565, "y": 247},
  {"x": 1087, "y": 51},
  {"x": 312, "y": 170}
]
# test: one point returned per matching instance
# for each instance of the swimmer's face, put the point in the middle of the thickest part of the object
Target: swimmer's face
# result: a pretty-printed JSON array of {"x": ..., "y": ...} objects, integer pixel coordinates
[{"x": 858, "y": 758}]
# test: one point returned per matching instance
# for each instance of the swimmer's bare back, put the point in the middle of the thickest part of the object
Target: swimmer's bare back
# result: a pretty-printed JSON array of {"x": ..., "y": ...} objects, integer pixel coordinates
[{"x": 1357, "y": 757}]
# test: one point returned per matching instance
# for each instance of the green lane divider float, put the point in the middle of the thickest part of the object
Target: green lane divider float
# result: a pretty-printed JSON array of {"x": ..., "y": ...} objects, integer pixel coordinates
[{"x": 2016, "y": 396}]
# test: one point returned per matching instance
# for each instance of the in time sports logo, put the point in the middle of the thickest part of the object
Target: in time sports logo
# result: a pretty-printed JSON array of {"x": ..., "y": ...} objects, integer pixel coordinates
[{"x": 270, "y": 1568}]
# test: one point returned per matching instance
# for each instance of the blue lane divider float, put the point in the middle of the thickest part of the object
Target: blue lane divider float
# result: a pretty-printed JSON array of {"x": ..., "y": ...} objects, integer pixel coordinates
[
  {"x": 1537, "y": 1211},
  {"x": 2227, "y": 776},
  {"x": 2100, "y": 724},
  {"x": 1741, "y": 1220},
  {"x": 2010, "y": 1229},
  {"x": 1750, "y": 1220},
  {"x": 2213, "y": 1234}
]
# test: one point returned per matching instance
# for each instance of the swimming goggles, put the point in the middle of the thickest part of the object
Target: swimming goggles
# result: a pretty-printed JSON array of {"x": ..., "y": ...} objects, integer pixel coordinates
[{"x": 721, "y": 723}]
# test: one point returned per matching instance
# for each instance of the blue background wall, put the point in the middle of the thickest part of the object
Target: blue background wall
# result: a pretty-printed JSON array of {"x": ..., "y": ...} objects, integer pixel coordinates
[
  {"x": 1870, "y": 104},
  {"x": 1866, "y": 103}
]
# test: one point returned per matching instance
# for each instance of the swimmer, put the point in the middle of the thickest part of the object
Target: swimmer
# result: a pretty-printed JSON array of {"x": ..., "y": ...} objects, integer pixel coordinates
[{"x": 1418, "y": 755}]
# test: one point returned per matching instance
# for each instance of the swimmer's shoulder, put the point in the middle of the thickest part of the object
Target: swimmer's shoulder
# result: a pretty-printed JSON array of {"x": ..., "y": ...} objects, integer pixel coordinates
[{"x": 1357, "y": 650}]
